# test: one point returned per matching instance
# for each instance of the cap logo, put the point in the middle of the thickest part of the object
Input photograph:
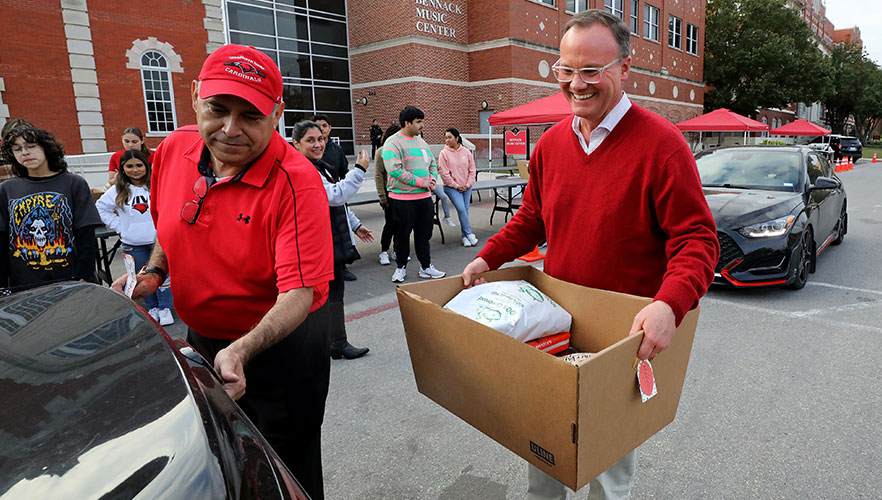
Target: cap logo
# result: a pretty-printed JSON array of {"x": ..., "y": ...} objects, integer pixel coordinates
[{"x": 245, "y": 69}]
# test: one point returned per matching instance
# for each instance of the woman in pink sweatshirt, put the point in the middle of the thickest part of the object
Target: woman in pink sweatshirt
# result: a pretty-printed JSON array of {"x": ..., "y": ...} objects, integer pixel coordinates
[{"x": 456, "y": 165}]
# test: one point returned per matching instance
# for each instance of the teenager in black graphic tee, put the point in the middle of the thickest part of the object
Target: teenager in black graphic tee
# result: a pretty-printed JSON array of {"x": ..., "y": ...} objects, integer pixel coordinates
[{"x": 47, "y": 215}]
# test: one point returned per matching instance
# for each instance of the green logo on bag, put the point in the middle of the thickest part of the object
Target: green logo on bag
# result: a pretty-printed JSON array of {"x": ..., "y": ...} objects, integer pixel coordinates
[
  {"x": 490, "y": 314},
  {"x": 533, "y": 292}
]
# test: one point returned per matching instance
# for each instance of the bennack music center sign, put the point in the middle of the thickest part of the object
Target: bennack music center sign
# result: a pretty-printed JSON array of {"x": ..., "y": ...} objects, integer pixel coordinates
[{"x": 435, "y": 16}]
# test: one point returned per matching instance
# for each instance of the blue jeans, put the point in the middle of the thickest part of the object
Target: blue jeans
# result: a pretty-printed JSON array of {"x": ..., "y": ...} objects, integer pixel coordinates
[
  {"x": 461, "y": 202},
  {"x": 163, "y": 296},
  {"x": 441, "y": 194}
]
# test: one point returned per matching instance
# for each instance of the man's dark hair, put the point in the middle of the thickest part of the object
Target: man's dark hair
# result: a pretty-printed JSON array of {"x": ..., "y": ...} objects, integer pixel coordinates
[
  {"x": 318, "y": 116},
  {"x": 409, "y": 114},
  {"x": 374, "y": 120},
  {"x": 590, "y": 17},
  {"x": 52, "y": 149}
]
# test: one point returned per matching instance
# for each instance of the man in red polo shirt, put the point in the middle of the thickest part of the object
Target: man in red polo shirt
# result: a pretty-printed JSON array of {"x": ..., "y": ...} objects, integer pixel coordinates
[{"x": 243, "y": 228}]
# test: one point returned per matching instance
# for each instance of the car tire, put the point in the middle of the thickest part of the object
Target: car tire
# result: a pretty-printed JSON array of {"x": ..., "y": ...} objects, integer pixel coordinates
[
  {"x": 841, "y": 227},
  {"x": 804, "y": 265}
]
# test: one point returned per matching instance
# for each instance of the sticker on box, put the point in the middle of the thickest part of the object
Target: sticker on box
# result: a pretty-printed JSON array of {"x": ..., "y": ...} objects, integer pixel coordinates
[{"x": 646, "y": 380}]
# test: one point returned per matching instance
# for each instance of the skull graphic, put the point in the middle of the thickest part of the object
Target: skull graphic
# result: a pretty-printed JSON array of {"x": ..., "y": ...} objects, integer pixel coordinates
[{"x": 38, "y": 232}]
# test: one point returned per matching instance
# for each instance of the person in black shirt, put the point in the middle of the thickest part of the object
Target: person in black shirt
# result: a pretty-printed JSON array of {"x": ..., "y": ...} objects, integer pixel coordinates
[
  {"x": 376, "y": 136},
  {"x": 336, "y": 159}
]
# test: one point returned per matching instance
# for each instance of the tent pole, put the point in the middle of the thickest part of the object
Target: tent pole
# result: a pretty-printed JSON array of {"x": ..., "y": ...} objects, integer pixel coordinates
[
  {"x": 490, "y": 147},
  {"x": 504, "y": 155},
  {"x": 528, "y": 143}
]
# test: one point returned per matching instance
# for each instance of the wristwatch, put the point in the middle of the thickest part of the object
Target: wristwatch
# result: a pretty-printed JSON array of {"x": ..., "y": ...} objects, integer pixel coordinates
[{"x": 154, "y": 270}]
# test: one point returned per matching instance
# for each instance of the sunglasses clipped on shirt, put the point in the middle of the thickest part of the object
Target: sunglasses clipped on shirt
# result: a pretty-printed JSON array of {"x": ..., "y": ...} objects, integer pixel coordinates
[
  {"x": 588, "y": 75},
  {"x": 190, "y": 211}
]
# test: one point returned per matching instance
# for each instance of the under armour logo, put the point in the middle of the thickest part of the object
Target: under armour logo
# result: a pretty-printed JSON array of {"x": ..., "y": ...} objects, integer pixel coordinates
[{"x": 246, "y": 219}]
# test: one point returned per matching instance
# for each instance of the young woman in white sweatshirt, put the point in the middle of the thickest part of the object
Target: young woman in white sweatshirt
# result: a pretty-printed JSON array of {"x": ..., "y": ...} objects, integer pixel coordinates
[{"x": 125, "y": 208}]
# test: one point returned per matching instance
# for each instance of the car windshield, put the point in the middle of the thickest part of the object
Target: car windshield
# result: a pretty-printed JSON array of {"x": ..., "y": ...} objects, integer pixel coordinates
[
  {"x": 751, "y": 169},
  {"x": 850, "y": 141}
]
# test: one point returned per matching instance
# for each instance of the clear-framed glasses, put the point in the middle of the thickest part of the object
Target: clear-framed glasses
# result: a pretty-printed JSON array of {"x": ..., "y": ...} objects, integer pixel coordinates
[{"x": 588, "y": 75}]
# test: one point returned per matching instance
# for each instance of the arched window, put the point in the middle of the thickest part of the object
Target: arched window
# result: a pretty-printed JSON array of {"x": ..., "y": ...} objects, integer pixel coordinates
[{"x": 159, "y": 97}]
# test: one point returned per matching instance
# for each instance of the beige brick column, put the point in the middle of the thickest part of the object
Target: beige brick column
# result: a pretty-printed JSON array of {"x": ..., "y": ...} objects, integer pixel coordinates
[{"x": 85, "y": 79}]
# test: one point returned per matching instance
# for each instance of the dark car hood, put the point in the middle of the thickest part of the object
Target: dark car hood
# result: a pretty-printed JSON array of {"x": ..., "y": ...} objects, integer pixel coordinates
[
  {"x": 94, "y": 402},
  {"x": 735, "y": 208}
]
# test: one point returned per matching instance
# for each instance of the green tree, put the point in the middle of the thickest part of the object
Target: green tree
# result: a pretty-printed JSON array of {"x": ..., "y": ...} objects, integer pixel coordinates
[
  {"x": 855, "y": 91},
  {"x": 759, "y": 54}
]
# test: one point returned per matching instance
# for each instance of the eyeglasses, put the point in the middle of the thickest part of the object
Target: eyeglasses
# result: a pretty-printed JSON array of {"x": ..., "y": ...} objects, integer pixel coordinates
[
  {"x": 190, "y": 210},
  {"x": 588, "y": 75}
]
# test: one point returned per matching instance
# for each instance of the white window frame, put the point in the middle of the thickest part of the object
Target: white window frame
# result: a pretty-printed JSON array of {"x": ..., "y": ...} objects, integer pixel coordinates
[
  {"x": 635, "y": 19},
  {"x": 615, "y": 7},
  {"x": 577, "y": 6},
  {"x": 164, "y": 71},
  {"x": 675, "y": 32},
  {"x": 691, "y": 39},
  {"x": 650, "y": 22}
]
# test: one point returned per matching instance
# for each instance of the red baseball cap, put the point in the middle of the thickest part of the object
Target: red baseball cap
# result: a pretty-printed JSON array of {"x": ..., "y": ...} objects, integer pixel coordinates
[{"x": 243, "y": 72}]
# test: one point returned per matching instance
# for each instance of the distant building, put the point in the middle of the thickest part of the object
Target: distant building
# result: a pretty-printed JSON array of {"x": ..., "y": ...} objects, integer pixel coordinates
[{"x": 87, "y": 69}]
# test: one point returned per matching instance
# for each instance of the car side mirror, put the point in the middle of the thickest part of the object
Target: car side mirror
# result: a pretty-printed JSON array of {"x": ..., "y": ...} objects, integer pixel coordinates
[{"x": 825, "y": 183}]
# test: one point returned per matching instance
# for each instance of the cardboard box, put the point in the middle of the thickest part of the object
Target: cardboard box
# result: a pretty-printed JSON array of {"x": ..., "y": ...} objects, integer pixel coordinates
[
  {"x": 572, "y": 422},
  {"x": 523, "y": 169}
]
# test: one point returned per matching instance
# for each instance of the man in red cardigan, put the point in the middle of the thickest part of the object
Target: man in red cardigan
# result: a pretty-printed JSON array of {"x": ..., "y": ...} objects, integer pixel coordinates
[{"x": 616, "y": 193}]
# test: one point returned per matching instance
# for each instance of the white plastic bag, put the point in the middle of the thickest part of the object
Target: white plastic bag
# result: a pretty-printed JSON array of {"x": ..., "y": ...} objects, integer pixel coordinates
[{"x": 515, "y": 308}]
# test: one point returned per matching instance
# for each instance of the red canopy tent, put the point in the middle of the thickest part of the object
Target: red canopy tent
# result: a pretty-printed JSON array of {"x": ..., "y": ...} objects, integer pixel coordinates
[
  {"x": 722, "y": 120},
  {"x": 551, "y": 109},
  {"x": 800, "y": 127}
]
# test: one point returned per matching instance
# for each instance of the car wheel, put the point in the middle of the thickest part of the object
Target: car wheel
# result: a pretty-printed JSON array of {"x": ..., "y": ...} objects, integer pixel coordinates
[
  {"x": 804, "y": 265},
  {"x": 841, "y": 227}
]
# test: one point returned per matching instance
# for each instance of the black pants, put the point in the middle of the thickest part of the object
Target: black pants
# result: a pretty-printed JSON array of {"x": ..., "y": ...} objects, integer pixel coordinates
[
  {"x": 388, "y": 226},
  {"x": 374, "y": 146},
  {"x": 417, "y": 216},
  {"x": 285, "y": 391}
]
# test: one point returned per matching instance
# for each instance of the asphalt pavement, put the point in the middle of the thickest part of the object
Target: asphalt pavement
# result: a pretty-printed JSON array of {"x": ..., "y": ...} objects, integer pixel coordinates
[{"x": 780, "y": 400}]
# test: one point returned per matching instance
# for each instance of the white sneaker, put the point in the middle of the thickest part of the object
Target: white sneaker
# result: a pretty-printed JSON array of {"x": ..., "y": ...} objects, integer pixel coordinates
[
  {"x": 431, "y": 272},
  {"x": 154, "y": 313},
  {"x": 449, "y": 222},
  {"x": 165, "y": 317},
  {"x": 399, "y": 275},
  {"x": 472, "y": 239},
  {"x": 466, "y": 242},
  {"x": 384, "y": 259}
]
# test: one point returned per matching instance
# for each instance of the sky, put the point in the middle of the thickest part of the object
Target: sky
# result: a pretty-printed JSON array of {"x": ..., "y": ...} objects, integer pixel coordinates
[{"x": 867, "y": 15}]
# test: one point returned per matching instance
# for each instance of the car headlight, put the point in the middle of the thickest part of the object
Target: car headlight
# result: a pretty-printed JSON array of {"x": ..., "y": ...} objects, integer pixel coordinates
[{"x": 777, "y": 227}]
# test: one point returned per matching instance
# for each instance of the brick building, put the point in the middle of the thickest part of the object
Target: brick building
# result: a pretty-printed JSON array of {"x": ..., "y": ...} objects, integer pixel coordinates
[{"x": 87, "y": 69}]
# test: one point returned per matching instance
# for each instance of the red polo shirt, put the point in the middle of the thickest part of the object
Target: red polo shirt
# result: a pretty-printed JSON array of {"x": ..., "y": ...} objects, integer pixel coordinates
[{"x": 258, "y": 234}]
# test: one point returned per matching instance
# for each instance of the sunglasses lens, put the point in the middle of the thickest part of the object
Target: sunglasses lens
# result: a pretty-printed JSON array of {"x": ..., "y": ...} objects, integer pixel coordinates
[
  {"x": 189, "y": 212},
  {"x": 200, "y": 188}
]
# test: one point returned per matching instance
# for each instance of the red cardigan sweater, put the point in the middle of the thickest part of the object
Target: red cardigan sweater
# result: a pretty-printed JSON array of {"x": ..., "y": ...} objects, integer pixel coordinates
[{"x": 630, "y": 218}]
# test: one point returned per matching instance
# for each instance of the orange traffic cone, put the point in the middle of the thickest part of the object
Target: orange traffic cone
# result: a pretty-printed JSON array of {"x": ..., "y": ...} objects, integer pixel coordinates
[
  {"x": 874, "y": 157},
  {"x": 533, "y": 256},
  {"x": 851, "y": 162},
  {"x": 838, "y": 165}
]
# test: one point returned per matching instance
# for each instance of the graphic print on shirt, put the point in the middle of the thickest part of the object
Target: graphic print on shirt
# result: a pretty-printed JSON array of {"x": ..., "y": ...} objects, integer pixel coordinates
[
  {"x": 140, "y": 203},
  {"x": 40, "y": 230}
]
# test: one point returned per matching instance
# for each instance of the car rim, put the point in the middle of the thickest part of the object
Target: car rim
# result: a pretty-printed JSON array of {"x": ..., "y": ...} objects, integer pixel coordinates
[{"x": 805, "y": 260}]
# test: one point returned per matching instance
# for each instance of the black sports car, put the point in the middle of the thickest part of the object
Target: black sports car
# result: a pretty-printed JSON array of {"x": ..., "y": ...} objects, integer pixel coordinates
[
  {"x": 776, "y": 210},
  {"x": 98, "y": 402}
]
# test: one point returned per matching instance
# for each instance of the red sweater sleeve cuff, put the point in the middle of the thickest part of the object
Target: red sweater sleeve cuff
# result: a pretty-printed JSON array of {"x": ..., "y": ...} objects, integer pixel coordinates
[{"x": 681, "y": 301}]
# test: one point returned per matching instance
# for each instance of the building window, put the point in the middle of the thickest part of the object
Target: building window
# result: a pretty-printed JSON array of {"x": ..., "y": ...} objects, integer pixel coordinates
[
  {"x": 650, "y": 22},
  {"x": 635, "y": 22},
  {"x": 692, "y": 39},
  {"x": 615, "y": 7},
  {"x": 546, "y": 2},
  {"x": 310, "y": 45},
  {"x": 159, "y": 98},
  {"x": 675, "y": 30},
  {"x": 575, "y": 6}
]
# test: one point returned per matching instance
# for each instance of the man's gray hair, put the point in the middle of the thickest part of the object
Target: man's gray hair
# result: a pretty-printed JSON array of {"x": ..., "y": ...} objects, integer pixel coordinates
[{"x": 590, "y": 17}]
